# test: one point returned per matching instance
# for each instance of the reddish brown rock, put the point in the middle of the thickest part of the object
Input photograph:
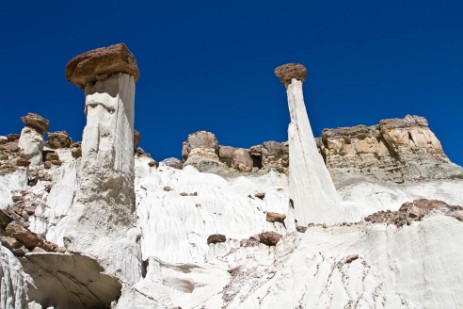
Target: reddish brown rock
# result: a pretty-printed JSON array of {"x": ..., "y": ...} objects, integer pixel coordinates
[
  {"x": 5, "y": 219},
  {"x": 59, "y": 139},
  {"x": 153, "y": 163},
  {"x": 36, "y": 122},
  {"x": 100, "y": 63},
  {"x": 216, "y": 238},
  {"x": 23, "y": 235},
  {"x": 12, "y": 137},
  {"x": 76, "y": 151},
  {"x": 287, "y": 72},
  {"x": 350, "y": 258},
  {"x": 275, "y": 217},
  {"x": 136, "y": 138},
  {"x": 269, "y": 238},
  {"x": 56, "y": 162},
  {"x": 414, "y": 211},
  {"x": 23, "y": 162},
  {"x": 172, "y": 162},
  {"x": 260, "y": 195},
  {"x": 50, "y": 155}
]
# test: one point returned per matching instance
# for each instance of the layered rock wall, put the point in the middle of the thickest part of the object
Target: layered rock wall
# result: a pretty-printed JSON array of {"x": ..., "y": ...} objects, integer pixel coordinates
[{"x": 395, "y": 150}]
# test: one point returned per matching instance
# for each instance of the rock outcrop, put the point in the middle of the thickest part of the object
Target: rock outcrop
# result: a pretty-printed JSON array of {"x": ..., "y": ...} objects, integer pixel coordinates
[
  {"x": 69, "y": 281},
  {"x": 102, "y": 218},
  {"x": 60, "y": 139},
  {"x": 395, "y": 150},
  {"x": 415, "y": 211},
  {"x": 271, "y": 155},
  {"x": 203, "y": 151}
]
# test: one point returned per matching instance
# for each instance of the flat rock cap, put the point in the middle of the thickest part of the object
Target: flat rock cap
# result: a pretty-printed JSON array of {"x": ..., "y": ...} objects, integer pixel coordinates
[
  {"x": 37, "y": 122},
  {"x": 287, "y": 72},
  {"x": 100, "y": 63}
]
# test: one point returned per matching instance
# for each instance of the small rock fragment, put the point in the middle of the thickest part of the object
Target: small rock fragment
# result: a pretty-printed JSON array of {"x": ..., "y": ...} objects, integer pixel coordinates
[
  {"x": 275, "y": 217},
  {"x": 269, "y": 238},
  {"x": 216, "y": 238}
]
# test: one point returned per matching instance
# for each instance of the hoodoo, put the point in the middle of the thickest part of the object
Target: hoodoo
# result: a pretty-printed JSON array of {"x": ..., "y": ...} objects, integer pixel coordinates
[
  {"x": 311, "y": 188},
  {"x": 102, "y": 219}
]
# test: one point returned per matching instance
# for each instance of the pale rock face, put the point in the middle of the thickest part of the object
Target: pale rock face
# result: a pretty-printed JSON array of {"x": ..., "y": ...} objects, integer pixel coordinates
[
  {"x": 31, "y": 145},
  {"x": 311, "y": 189},
  {"x": 242, "y": 160},
  {"x": 101, "y": 220},
  {"x": 371, "y": 266},
  {"x": 200, "y": 139},
  {"x": 13, "y": 289},
  {"x": 183, "y": 270},
  {"x": 69, "y": 281}
]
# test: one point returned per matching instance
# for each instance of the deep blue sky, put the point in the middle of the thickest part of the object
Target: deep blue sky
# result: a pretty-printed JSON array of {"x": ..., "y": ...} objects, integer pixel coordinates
[{"x": 208, "y": 65}]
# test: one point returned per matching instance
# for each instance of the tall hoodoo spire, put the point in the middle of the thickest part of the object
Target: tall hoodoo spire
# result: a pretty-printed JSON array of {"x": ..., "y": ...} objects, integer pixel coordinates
[
  {"x": 102, "y": 217},
  {"x": 311, "y": 188}
]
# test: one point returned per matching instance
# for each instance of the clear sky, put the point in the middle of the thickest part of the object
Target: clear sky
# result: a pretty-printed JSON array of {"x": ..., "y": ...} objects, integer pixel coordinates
[{"x": 208, "y": 65}]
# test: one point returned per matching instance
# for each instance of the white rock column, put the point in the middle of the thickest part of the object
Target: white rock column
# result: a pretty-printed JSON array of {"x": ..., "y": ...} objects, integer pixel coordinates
[
  {"x": 102, "y": 219},
  {"x": 311, "y": 189}
]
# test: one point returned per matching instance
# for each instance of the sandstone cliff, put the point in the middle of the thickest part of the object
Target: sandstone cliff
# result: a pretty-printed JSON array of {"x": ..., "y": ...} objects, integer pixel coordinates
[{"x": 395, "y": 150}]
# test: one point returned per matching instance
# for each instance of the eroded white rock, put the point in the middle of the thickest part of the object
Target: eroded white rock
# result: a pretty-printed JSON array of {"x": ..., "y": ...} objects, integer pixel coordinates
[
  {"x": 312, "y": 192},
  {"x": 31, "y": 145},
  {"x": 102, "y": 218}
]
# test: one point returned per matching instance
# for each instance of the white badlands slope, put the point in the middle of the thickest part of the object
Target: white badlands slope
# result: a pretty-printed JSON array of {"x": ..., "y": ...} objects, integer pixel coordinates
[
  {"x": 412, "y": 267},
  {"x": 416, "y": 266}
]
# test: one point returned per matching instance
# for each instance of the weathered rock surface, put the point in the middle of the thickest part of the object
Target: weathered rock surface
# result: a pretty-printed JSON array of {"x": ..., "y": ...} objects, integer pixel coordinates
[
  {"x": 396, "y": 150},
  {"x": 202, "y": 150},
  {"x": 69, "y": 281},
  {"x": 201, "y": 140},
  {"x": 101, "y": 63},
  {"x": 60, "y": 139},
  {"x": 242, "y": 160},
  {"x": 271, "y": 155}
]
